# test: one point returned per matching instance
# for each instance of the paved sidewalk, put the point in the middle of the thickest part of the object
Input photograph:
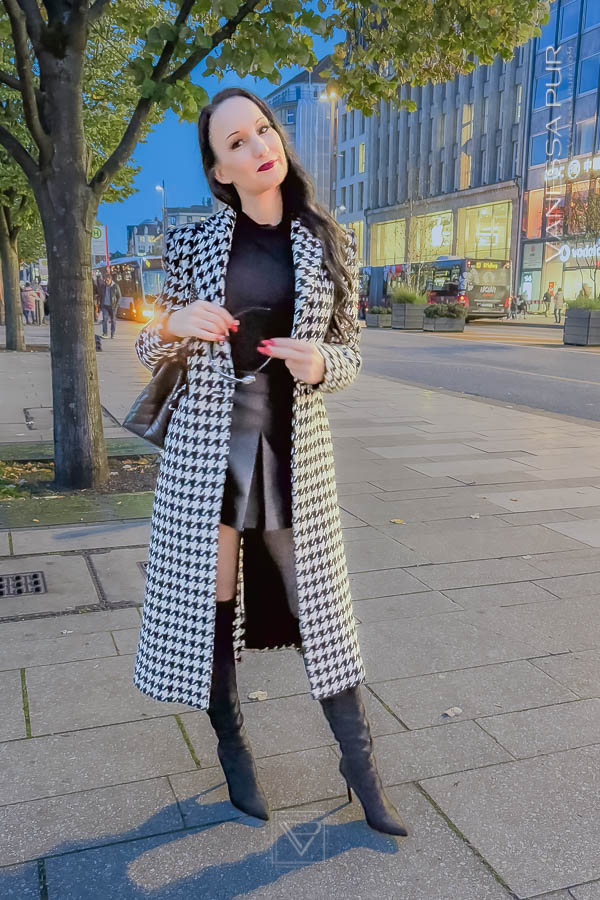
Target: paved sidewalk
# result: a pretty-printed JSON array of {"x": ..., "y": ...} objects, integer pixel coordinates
[{"x": 472, "y": 534}]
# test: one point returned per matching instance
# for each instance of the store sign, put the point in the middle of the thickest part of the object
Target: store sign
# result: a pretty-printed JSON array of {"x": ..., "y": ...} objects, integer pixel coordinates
[
  {"x": 572, "y": 170},
  {"x": 532, "y": 255},
  {"x": 99, "y": 240},
  {"x": 564, "y": 252}
]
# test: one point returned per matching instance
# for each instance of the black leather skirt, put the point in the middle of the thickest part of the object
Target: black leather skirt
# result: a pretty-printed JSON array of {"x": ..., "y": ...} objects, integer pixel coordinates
[{"x": 257, "y": 491}]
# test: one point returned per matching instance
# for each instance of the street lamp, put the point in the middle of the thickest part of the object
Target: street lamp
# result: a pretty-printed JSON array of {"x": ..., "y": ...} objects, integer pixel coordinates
[
  {"x": 332, "y": 96},
  {"x": 161, "y": 187}
]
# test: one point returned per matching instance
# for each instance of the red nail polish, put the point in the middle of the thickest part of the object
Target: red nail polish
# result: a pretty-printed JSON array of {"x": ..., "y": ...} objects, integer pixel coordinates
[
  {"x": 263, "y": 350},
  {"x": 267, "y": 343}
]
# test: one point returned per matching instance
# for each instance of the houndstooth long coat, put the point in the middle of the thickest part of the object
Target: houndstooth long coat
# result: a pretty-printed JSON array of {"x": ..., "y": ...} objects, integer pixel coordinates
[{"x": 175, "y": 650}]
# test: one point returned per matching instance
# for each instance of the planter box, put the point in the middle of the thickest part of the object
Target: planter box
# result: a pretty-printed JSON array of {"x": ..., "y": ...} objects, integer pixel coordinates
[
  {"x": 379, "y": 320},
  {"x": 441, "y": 324},
  {"x": 407, "y": 315},
  {"x": 582, "y": 327}
]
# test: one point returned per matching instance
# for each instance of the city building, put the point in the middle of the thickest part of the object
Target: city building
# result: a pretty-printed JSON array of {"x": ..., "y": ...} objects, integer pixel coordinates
[
  {"x": 443, "y": 180},
  {"x": 183, "y": 215},
  {"x": 560, "y": 224},
  {"x": 145, "y": 239}
]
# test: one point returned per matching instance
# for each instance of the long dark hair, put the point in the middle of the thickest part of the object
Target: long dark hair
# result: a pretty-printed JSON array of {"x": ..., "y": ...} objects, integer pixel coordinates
[{"x": 298, "y": 202}]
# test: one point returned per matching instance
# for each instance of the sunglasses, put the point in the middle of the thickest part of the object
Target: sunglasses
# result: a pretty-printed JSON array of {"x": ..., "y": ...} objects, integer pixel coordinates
[{"x": 250, "y": 376}]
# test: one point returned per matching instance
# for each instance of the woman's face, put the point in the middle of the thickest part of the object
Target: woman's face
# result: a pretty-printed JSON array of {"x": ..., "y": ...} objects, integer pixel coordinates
[{"x": 242, "y": 141}]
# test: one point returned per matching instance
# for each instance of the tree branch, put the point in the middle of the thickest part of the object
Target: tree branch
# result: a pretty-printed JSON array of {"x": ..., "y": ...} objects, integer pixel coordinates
[
  {"x": 218, "y": 37},
  {"x": 33, "y": 18},
  {"x": 96, "y": 10},
  {"x": 28, "y": 87},
  {"x": 10, "y": 81},
  {"x": 19, "y": 153}
]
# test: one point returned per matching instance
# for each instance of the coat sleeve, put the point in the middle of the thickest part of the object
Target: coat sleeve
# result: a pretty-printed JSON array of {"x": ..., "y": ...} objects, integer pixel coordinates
[
  {"x": 342, "y": 358},
  {"x": 150, "y": 346}
]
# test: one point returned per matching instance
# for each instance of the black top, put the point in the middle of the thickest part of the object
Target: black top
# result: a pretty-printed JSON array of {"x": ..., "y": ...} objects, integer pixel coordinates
[{"x": 260, "y": 273}]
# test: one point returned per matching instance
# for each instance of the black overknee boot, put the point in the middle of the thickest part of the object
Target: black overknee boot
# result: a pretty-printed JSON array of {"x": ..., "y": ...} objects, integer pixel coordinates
[
  {"x": 347, "y": 717},
  {"x": 224, "y": 711}
]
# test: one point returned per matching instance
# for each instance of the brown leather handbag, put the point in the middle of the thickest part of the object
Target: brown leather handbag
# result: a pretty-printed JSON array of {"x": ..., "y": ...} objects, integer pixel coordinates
[{"x": 151, "y": 413}]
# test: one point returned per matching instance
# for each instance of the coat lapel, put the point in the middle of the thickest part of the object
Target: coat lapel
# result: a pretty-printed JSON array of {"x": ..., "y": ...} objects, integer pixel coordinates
[{"x": 216, "y": 247}]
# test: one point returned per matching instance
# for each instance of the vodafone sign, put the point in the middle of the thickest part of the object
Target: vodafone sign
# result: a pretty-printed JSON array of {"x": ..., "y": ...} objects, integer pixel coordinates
[{"x": 564, "y": 252}]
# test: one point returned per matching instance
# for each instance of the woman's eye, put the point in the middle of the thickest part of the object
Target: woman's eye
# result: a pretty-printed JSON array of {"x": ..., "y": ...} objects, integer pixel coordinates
[{"x": 233, "y": 146}]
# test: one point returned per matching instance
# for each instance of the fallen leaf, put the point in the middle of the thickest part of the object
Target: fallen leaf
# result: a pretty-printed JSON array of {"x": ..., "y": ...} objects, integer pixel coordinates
[
  {"x": 474, "y": 516},
  {"x": 453, "y": 711},
  {"x": 398, "y": 521},
  {"x": 35, "y": 520},
  {"x": 257, "y": 695}
]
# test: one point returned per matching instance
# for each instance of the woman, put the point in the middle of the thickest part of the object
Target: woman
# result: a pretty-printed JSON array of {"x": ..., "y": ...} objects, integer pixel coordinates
[
  {"x": 28, "y": 303},
  {"x": 246, "y": 549}
]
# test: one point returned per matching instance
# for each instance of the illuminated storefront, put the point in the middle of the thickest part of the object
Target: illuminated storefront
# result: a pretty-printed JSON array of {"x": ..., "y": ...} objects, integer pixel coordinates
[
  {"x": 388, "y": 243},
  {"x": 554, "y": 254},
  {"x": 483, "y": 232},
  {"x": 431, "y": 236}
]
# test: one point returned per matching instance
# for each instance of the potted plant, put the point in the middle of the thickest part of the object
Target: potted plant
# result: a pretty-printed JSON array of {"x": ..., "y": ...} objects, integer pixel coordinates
[
  {"x": 379, "y": 317},
  {"x": 407, "y": 308},
  {"x": 582, "y": 322},
  {"x": 444, "y": 317}
]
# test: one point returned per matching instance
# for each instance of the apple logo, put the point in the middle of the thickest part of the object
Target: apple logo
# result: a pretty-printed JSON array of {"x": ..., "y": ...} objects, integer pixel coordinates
[{"x": 437, "y": 234}]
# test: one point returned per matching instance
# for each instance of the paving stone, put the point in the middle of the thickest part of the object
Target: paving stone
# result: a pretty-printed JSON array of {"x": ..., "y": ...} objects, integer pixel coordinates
[
  {"x": 556, "y": 625},
  {"x": 588, "y": 512},
  {"x": 20, "y": 882},
  {"x": 87, "y": 819},
  {"x": 126, "y": 640},
  {"x": 355, "y": 487},
  {"x": 287, "y": 724},
  {"x": 379, "y": 512},
  {"x": 48, "y": 651},
  {"x": 551, "y": 498},
  {"x": 569, "y": 587},
  {"x": 233, "y": 859},
  {"x": 420, "y": 451},
  {"x": 87, "y": 694},
  {"x": 280, "y": 673},
  {"x": 512, "y": 594},
  {"x": 480, "y": 691},
  {"x": 388, "y": 582},
  {"x": 95, "y": 757},
  {"x": 68, "y": 582},
  {"x": 486, "y": 544},
  {"x": 472, "y": 574},
  {"x": 579, "y": 672},
  {"x": 382, "y": 553},
  {"x": 403, "y": 606},
  {"x": 409, "y": 480},
  {"x": 381, "y": 721},
  {"x": 535, "y": 821},
  {"x": 587, "y": 531},
  {"x": 75, "y": 623},
  {"x": 549, "y": 729},
  {"x": 570, "y": 562},
  {"x": 347, "y": 520},
  {"x": 12, "y": 720},
  {"x": 403, "y": 647},
  {"x": 4, "y": 543},
  {"x": 464, "y": 469},
  {"x": 590, "y": 891},
  {"x": 81, "y": 537},
  {"x": 120, "y": 575},
  {"x": 538, "y": 518}
]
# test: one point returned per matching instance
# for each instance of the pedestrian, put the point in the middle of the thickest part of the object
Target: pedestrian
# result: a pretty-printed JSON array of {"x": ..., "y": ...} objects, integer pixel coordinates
[
  {"x": 513, "y": 307},
  {"x": 547, "y": 300},
  {"x": 110, "y": 304},
  {"x": 522, "y": 305},
  {"x": 28, "y": 303},
  {"x": 559, "y": 303},
  {"x": 237, "y": 561}
]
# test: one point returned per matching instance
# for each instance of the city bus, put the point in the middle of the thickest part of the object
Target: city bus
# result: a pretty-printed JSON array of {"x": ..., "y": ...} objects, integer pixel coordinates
[
  {"x": 482, "y": 285},
  {"x": 141, "y": 279}
]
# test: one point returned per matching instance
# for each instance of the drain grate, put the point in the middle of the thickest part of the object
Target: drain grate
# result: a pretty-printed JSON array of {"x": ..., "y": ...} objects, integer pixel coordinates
[{"x": 22, "y": 583}]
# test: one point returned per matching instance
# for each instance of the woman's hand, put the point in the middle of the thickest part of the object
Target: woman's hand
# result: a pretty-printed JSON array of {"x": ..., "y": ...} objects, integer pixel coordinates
[
  {"x": 301, "y": 357},
  {"x": 201, "y": 319}
]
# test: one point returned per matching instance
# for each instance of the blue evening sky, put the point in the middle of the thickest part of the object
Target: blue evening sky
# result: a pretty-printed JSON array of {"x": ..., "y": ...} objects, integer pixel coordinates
[{"x": 171, "y": 153}]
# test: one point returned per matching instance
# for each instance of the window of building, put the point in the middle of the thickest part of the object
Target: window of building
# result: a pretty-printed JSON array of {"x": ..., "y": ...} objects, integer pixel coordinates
[
  {"x": 548, "y": 35},
  {"x": 521, "y": 55},
  {"x": 443, "y": 177},
  {"x": 465, "y": 171},
  {"x": 344, "y": 127},
  {"x": 569, "y": 19},
  {"x": 518, "y": 103},
  {"x": 466, "y": 132},
  {"x": 350, "y": 206},
  {"x": 350, "y": 126},
  {"x": 514, "y": 166},
  {"x": 387, "y": 242},
  {"x": 361, "y": 192},
  {"x": 501, "y": 114},
  {"x": 352, "y": 161},
  {"x": 343, "y": 198},
  {"x": 592, "y": 14},
  {"x": 499, "y": 164},
  {"x": 538, "y": 150},
  {"x": 432, "y": 236},
  {"x": 343, "y": 164},
  {"x": 290, "y": 116},
  {"x": 483, "y": 232},
  {"x": 484, "y": 167},
  {"x": 534, "y": 204},
  {"x": 486, "y": 111},
  {"x": 589, "y": 71},
  {"x": 585, "y": 133},
  {"x": 172, "y": 220},
  {"x": 361, "y": 157}
]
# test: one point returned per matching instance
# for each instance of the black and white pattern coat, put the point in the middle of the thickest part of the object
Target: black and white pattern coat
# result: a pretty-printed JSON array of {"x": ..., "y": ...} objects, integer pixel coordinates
[{"x": 175, "y": 650}]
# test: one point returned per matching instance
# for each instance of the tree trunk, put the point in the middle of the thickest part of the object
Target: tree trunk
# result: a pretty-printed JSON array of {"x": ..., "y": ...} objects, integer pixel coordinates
[
  {"x": 67, "y": 209},
  {"x": 9, "y": 258}
]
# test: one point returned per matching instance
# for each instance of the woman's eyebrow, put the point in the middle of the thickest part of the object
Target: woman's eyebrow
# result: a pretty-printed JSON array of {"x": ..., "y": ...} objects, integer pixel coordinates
[{"x": 237, "y": 132}]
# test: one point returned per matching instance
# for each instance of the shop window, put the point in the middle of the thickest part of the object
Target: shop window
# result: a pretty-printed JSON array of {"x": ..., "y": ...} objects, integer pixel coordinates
[
  {"x": 387, "y": 242},
  {"x": 592, "y": 14},
  {"x": 432, "y": 236},
  {"x": 484, "y": 231},
  {"x": 569, "y": 20},
  {"x": 584, "y": 136},
  {"x": 589, "y": 70},
  {"x": 534, "y": 204}
]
